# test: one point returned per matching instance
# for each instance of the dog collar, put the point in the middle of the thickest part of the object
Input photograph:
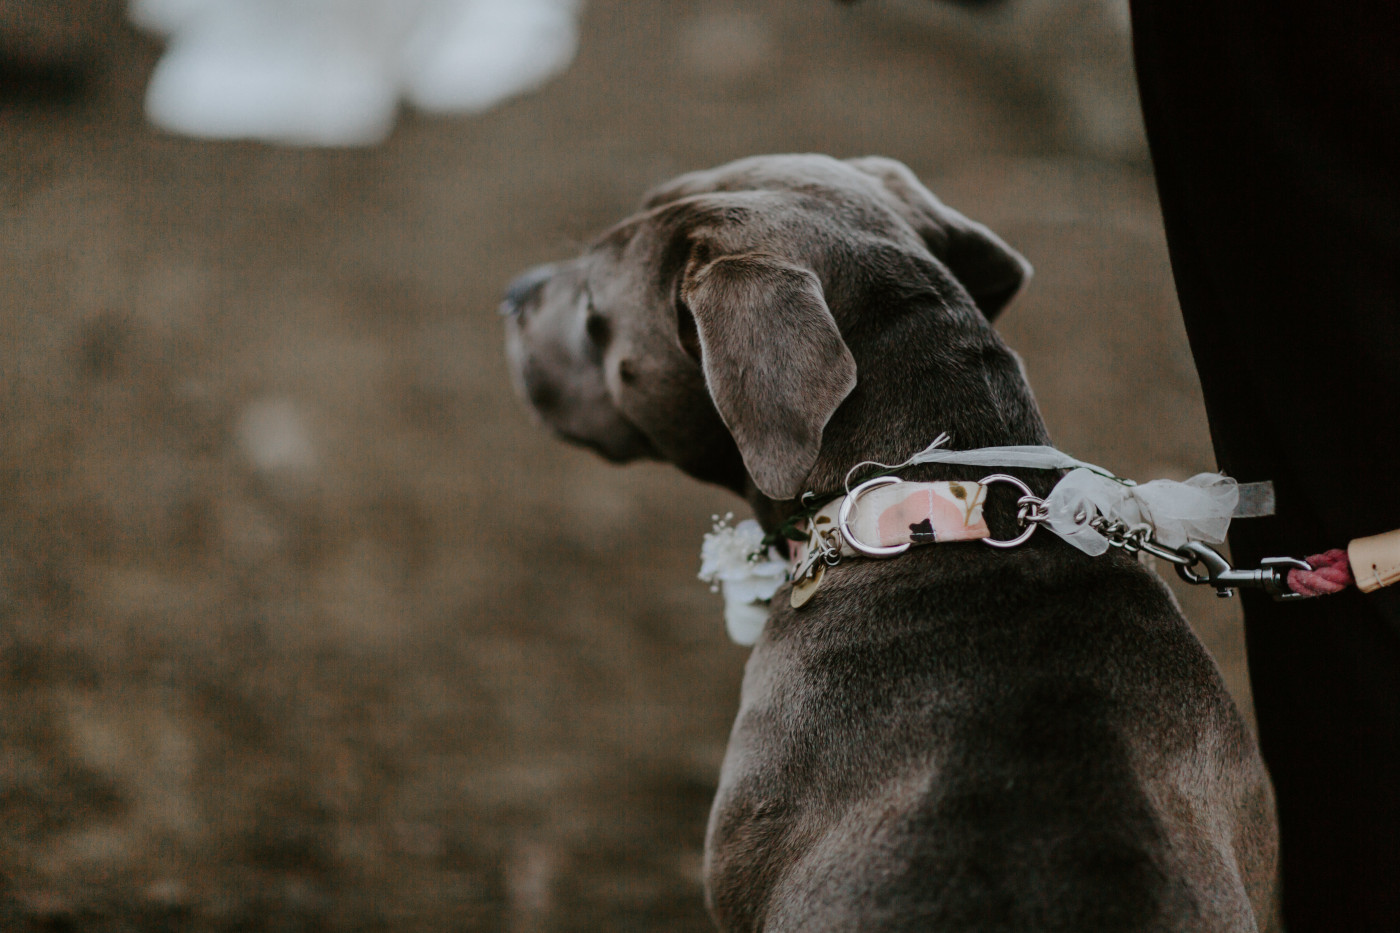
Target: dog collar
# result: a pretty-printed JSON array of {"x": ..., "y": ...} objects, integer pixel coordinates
[
  {"x": 1089, "y": 508},
  {"x": 886, "y": 516},
  {"x": 882, "y": 517}
]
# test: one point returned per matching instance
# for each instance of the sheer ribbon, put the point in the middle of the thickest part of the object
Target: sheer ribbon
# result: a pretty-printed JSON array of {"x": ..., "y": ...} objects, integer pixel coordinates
[{"x": 1197, "y": 509}]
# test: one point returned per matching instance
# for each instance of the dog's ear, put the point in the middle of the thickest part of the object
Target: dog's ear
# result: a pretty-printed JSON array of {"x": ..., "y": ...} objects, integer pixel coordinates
[
  {"x": 774, "y": 361},
  {"x": 991, "y": 271}
]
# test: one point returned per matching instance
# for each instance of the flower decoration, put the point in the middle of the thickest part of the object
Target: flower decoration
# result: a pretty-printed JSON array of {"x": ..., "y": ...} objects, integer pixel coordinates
[{"x": 734, "y": 560}]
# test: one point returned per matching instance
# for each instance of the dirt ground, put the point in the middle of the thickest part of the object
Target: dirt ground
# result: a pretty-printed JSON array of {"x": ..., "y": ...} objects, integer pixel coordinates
[{"x": 303, "y": 624}]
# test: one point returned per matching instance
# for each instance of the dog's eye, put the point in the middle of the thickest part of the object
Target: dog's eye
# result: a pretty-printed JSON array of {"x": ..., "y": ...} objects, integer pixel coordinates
[
  {"x": 597, "y": 328},
  {"x": 686, "y": 331}
]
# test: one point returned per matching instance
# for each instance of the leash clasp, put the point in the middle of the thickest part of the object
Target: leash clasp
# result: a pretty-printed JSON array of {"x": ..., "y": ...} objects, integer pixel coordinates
[{"x": 1271, "y": 577}]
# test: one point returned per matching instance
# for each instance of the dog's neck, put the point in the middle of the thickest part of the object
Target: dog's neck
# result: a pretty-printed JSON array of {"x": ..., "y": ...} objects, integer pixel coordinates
[{"x": 970, "y": 385}]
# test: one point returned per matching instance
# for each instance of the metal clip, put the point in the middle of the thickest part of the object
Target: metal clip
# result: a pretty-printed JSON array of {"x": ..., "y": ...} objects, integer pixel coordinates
[
  {"x": 1271, "y": 577},
  {"x": 823, "y": 547}
]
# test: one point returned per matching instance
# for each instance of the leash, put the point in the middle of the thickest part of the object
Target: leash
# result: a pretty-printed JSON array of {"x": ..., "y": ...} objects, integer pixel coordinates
[{"x": 1090, "y": 508}]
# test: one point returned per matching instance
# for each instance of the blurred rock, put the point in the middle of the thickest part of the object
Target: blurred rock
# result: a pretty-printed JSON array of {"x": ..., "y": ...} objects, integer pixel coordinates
[
  {"x": 465, "y": 56},
  {"x": 274, "y": 436},
  {"x": 331, "y": 72},
  {"x": 299, "y": 71}
]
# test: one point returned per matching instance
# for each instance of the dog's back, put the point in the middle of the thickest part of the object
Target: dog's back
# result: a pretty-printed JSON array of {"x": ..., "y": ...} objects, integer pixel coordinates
[{"x": 984, "y": 741}]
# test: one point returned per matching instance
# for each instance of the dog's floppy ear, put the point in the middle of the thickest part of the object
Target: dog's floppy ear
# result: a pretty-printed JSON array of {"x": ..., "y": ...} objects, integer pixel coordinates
[
  {"x": 774, "y": 361},
  {"x": 991, "y": 271}
]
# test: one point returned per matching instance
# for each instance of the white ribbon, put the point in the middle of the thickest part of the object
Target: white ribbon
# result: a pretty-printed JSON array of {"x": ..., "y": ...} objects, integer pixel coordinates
[
  {"x": 1198, "y": 509},
  {"x": 1030, "y": 456}
]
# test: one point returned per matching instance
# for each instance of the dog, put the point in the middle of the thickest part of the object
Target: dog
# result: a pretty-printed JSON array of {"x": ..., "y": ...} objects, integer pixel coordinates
[{"x": 960, "y": 738}]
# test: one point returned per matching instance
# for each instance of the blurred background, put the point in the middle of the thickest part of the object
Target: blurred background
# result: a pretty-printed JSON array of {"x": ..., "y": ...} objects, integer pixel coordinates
[{"x": 303, "y": 624}]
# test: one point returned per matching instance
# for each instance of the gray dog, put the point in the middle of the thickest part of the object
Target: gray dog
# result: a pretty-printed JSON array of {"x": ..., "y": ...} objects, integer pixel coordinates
[{"x": 962, "y": 738}]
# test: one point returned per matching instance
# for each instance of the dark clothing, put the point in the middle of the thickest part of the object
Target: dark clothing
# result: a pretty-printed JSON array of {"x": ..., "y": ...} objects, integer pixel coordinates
[{"x": 1274, "y": 132}]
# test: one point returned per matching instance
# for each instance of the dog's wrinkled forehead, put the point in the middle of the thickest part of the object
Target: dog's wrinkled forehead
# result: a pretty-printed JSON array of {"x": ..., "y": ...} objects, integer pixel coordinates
[
  {"x": 819, "y": 176},
  {"x": 817, "y": 206},
  {"x": 792, "y": 204}
]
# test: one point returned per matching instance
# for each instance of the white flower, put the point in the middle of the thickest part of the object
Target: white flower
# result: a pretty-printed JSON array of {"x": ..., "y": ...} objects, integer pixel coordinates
[
  {"x": 744, "y": 621},
  {"x": 734, "y": 559}
]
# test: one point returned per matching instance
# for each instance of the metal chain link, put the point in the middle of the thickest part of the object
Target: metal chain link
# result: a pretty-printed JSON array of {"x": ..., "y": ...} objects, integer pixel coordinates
[
  {"x": 1131, "y": 538},
  {"x": 1271, "y": 577},
  {"x": 1135, "y": 538}
]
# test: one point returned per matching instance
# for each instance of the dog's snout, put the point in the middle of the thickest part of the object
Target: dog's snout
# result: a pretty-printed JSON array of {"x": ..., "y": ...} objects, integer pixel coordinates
[{"x": 526, "y": 285}]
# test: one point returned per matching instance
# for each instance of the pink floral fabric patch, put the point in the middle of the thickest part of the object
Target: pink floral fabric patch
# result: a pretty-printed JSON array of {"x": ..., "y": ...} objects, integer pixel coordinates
[
  {"x": 900, "y": 513},
  {"x": 920, "y": 513}
]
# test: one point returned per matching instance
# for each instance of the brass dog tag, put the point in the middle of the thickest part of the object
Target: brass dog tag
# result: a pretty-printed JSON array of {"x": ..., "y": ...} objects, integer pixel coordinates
[{"x": 806, "y": 588}]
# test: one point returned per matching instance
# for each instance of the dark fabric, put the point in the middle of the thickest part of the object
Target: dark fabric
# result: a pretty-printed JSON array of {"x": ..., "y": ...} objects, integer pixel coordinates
[{"x": 1273, "y": 130}]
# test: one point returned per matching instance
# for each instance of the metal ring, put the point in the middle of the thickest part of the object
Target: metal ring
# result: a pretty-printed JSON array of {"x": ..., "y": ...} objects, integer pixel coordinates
[
  {"x": 844, "y": 515},
  {"x": 1025, "y": 491}
]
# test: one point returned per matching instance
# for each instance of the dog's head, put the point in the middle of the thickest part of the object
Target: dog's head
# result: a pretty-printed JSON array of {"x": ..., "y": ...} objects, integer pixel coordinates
[{"x": 714, "y": 328}]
